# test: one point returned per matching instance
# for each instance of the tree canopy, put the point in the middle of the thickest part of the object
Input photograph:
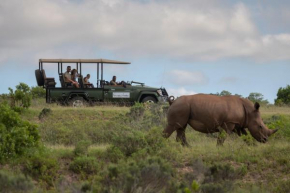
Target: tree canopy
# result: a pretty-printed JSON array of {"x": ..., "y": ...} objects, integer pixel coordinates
[{"x": 283, "y": 96}]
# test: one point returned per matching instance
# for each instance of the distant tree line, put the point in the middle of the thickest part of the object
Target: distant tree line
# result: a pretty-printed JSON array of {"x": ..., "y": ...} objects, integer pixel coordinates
[{"x": 253, "y": 96}]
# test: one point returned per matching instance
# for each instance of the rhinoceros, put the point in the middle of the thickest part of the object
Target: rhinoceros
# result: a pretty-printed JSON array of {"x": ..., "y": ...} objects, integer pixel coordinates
[{"x": 209, "y": 113}]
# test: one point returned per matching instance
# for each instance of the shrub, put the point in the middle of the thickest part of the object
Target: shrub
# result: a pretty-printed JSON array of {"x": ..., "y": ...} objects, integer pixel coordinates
[
  {"x": 249, "y": 140},
  {"x": 136, "y": 111},
  {"x": 129, "y": 141},
  {"x": 86, "y": 165},
  {"x": 45, "y": 112},
  {"x": 81, "y": 148},
  {"x": 21, "y": 97},
  {"x": 38, "y": 92},
  {"x": 15, "y": 183},
  {"x": 152, "y": 174},
  {"x": 282, "y": 123},
  {"x": 16, "y": 135},
  {"x": 114, "y": 154},
  {"x": 41, "y": 166}
]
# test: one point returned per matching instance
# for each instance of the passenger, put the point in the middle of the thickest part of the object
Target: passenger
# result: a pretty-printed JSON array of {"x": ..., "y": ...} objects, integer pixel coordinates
[
  {"x": 74, "y": 75},
  {"x": 68, "y": 78},
  {"x": 87, "y": 82},
  {"x": 113, "y": 81}
]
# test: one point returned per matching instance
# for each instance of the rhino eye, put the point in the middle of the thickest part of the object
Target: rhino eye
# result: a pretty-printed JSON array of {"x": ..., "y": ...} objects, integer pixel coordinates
[{"x": 260, "y": 126}]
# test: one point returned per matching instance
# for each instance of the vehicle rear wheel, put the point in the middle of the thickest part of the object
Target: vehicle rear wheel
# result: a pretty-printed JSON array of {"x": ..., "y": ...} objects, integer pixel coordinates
[
  {"x": 78, "y": 102},
  {"x": 149, "y": 99},
  {"x": 39, "y": 78}
]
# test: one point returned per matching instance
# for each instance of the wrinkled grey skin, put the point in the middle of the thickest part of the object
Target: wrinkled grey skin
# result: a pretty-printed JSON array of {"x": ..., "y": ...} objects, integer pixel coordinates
[{"x": 209, "y": 113}]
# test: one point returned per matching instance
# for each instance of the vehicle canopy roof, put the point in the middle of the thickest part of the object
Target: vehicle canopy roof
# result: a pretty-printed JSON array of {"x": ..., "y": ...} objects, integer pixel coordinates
[{"x": 104, "y": 61}]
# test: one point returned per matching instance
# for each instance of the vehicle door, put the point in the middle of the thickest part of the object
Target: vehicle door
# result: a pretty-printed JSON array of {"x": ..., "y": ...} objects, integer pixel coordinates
[{"x": 119, "y": 93}]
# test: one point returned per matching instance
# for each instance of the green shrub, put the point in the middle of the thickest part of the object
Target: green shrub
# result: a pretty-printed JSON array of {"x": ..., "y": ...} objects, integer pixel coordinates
[
  {"x": 16, "y": 135},
  {"x": 249, "y": 140},
  {"x": 15, "y": 183},
  {"x": 38, "y": 92},
  {"x": 21, "y": 97},
  {"x": 155, "y": 140},
  {"x": 136, "y": 111},
  {"x": 129, "y": 141},
  {"x": 282, "y": 123},
  {"x": 152, "y": 174},
  {"x": 81, "y": 148},
  {"x": 114, "y": 154},
  {"x": 45, "y": 112},
  {"x": 86, "y": 165},
  {"x": 42, "y": 167}
]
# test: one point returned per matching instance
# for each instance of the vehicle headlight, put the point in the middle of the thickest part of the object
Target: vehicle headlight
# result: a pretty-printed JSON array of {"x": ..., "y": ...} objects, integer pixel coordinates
[{"x": 159, "y": 92}]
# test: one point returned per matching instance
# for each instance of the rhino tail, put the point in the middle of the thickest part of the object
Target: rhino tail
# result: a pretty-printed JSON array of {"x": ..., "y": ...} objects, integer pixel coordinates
[{"x": 171, "y": 100}]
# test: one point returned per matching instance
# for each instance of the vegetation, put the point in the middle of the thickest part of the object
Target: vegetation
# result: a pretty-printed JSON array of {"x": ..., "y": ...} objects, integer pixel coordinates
[
  {"x": 283, "y": 96},
  {"x": 257, "y": 97},
  {"x": 47, "y": 148}
]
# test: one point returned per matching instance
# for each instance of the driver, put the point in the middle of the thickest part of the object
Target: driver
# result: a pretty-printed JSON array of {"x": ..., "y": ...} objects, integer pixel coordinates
[{"x": 114, "y": 83}]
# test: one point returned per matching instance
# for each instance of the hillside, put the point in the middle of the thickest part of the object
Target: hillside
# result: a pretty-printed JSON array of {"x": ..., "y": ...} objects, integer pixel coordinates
[{"x": 120, "y": 149}]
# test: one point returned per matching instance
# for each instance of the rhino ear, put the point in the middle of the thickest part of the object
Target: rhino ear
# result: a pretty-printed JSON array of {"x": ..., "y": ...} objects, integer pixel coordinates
[{"x": 257, "y": 106}]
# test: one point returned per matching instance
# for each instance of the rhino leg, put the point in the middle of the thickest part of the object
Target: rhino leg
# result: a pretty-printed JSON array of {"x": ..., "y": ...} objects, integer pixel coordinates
[
  {"x": 180, "y": 136},
  {"x": 228, "y": 128}
]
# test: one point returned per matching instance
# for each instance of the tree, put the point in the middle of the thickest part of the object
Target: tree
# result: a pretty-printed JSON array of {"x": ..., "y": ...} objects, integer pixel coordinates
[
  {"x": 225, "y": 93},
  {"x": 257, "y": 97},
  {"x": 21, "y": 97},
  {"x": 283, "y": 96}
]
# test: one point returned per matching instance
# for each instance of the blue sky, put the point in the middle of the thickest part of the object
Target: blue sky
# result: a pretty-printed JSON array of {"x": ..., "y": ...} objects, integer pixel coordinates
[{"x": 202, "y": 46}]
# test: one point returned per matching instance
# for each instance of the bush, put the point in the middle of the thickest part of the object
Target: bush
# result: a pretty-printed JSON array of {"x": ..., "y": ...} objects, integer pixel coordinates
[
  {"x": 41, "y": 166},
  {"x": 114, "y": 154},
  {"x": 81, "y": 148},
  {"x": 136, "y": 111},
  {"x": 152, "y": 174},
  {"x": 282, "y": 123},
  {"x": 16, "y": 135},
  {"x": 15, "y": 183},
  {"x": 38, "y": 92},
  {"x": 129, "y": 141},
  {"x": 86, "y": 165},
  {"x": 21, "y": 97},
  {"x": 45, "y": 112}
]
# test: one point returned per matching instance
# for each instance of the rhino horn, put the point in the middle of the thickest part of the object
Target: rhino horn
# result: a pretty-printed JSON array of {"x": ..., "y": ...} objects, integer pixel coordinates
[{"x": 271, "y": 132}]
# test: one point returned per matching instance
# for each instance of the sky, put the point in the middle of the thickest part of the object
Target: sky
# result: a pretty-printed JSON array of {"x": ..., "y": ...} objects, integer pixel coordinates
[{"x": 188, "y": 47}]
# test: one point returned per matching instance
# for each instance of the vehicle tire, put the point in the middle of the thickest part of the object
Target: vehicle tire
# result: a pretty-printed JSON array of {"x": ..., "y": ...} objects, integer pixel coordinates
[
  {"x": 78, "y": 102},
  {"x": 149, "y": 99},
  {"x": 39, "y": 77}
]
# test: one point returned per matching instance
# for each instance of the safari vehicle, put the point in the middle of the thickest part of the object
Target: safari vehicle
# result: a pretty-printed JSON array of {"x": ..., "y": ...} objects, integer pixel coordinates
[{"x": 127, "y": 93}]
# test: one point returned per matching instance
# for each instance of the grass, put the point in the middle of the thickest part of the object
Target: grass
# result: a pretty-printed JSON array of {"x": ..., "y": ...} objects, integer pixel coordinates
[{"x": 104, "y": 166}]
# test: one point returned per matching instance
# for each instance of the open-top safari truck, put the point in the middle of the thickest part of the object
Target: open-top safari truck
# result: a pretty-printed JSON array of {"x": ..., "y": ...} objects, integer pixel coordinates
[{"x": 127, "y": 93}]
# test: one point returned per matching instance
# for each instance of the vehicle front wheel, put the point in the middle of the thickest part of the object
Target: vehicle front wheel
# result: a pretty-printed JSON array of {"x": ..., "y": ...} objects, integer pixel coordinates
[
  {"x": 77, "y": 102},
  {"x": 149, "y": 99}
]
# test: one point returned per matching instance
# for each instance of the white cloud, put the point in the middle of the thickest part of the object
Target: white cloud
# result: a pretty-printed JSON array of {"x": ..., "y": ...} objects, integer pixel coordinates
[
  {"x": 179, "y": 92},
  {"x": 188, "y": 30},
  {"x": 185, "y": 78}
]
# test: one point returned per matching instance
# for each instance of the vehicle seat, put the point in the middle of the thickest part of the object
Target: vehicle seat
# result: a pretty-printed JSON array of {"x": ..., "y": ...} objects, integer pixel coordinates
[
  {"x": 48, "y": 82},
  {"x": 81, "y": 81}
]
